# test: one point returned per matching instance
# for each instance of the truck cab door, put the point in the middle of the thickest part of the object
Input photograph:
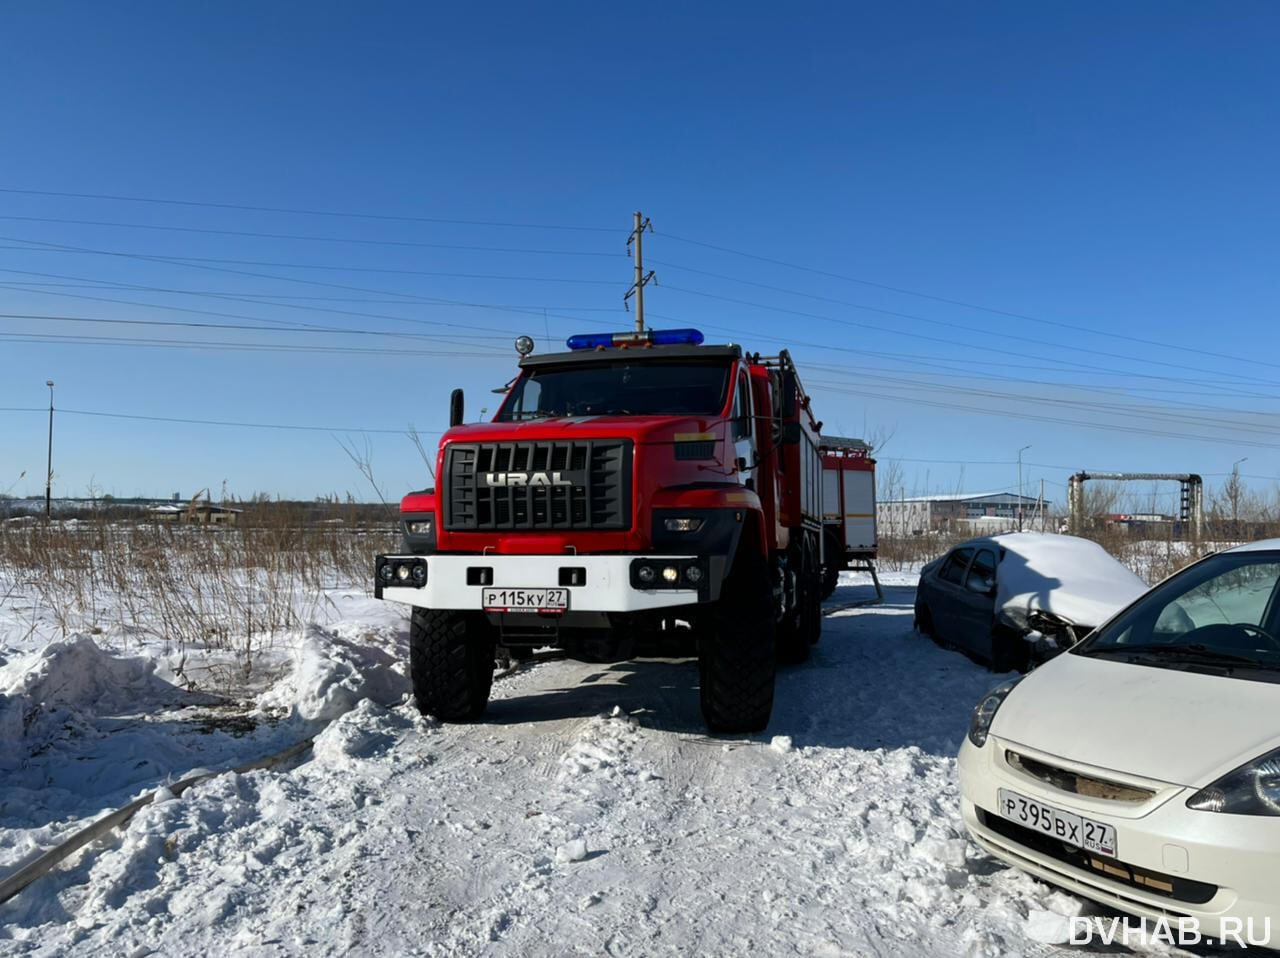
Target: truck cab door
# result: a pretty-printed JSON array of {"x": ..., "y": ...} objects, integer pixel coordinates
[{"x": 742, "y": 431}]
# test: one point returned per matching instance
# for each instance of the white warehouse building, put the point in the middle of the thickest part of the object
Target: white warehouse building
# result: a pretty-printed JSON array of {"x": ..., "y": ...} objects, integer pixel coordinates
[{"x": 981, "y": 512}]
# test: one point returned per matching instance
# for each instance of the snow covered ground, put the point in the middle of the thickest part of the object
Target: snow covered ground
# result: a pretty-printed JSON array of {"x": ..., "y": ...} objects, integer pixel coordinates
[{"x": 588, "y": 814}]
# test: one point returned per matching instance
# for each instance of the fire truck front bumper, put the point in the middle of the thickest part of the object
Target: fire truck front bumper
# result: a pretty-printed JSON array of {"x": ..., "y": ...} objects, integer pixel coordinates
[{"x": 548, "y": 584}]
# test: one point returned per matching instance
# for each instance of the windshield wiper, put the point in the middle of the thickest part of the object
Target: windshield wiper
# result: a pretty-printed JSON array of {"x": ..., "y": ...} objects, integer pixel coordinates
[{"x": 1193, "y": 652}]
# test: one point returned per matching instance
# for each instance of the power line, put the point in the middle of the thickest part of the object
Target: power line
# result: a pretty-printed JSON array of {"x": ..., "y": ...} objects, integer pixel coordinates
[
  {"x": 252, "y": 234},
  {"x": 303, "y": 328},
  {"x": 1074, "y": 366},
  {"x": 1030, "y": 417},
  {"x": 308, "y": 212},
  {"x": 959, "y": 326},
  {"x": 338, "y": 268},
  {"x": 890, "y": 330},
  {"x": 220, "y": 345},
  {"x": 221, "y": 422},
  {"x": 410, "y": 297},
  {"x": 1111, "y": 334},
  {"x": 1102, "y": 408}
]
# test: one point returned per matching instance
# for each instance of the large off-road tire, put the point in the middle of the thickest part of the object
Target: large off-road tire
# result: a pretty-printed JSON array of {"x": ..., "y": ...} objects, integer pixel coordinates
[
  {"x": 451, "y": 659},
  {"x": 737, "y": 653},
  {"x": 803, "y": 627}
]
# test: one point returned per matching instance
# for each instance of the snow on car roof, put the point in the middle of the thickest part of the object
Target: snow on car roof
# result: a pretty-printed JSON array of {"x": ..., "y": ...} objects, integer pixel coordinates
[{"x": 1068, "y": 576}]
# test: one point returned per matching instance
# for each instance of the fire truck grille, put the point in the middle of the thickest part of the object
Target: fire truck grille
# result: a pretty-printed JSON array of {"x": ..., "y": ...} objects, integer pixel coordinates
[{"x": 538, "y": 485}]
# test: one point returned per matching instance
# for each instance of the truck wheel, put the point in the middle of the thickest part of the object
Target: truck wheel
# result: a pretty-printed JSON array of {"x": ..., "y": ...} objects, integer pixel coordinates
[
  {"x": 451, "y": 657},
  {"x": 831, "y": 569},
  {"x": 791, "y": 634},
  {"x": 737, "y": 656}
]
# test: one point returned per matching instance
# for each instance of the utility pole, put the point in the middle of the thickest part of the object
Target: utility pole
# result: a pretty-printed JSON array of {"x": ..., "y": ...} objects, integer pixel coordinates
[
  {"x": 1040, "y": 506},
  {"x": 48, "y": 481},
  {"x": 637, "y": 288},
  {"x": 1020, "y": 452}
]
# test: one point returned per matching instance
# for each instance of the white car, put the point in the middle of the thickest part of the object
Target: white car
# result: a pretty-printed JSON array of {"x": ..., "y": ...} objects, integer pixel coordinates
[{"x": 1141, "y": 769}]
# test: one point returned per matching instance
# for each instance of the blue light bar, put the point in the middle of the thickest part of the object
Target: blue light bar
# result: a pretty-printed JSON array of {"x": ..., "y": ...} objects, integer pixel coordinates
[
  {"x": 677, "y": 337},
  {"x": 656, "y": 337}
]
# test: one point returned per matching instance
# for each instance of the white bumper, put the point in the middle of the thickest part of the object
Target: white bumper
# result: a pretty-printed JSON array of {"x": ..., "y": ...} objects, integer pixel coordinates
[
  {"x": 607, "y": 588},
  {"x": 1240, "y": 854}
]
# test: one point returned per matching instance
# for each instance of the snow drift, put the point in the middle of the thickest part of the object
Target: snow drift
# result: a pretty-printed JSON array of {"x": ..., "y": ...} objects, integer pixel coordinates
[{"x": 65, "y": 683}]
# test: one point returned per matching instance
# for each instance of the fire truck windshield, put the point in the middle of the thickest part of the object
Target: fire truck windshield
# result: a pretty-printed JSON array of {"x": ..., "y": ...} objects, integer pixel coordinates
[{"x": 649, "y": 387}]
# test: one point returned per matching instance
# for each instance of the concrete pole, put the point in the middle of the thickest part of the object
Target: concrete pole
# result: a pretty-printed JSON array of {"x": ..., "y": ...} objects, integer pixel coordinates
[
  {"x": 637, "y": 236},
  {"x": 1020, "y": 452},
  {"x": 48, "y": 480}
]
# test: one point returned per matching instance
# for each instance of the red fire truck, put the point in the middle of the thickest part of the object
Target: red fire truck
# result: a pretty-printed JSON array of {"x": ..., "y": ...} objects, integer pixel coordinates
[
  {"x": 848, "y": 511},
  {"x": 636, "y": 484}
]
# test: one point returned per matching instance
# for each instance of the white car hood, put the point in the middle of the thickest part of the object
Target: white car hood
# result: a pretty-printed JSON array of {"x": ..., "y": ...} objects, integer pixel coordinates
[
  {"x": 1071, "y": 577},
  {"x": 1183, "y": 728}
]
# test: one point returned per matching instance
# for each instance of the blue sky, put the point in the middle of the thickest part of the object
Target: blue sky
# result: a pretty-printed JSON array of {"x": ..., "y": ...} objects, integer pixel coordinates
[{"x": 1100, "y": 178}]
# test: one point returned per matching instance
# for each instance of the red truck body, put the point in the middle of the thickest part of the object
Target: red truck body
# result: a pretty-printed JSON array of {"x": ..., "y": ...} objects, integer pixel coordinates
[{"x": 619, "y": 492}]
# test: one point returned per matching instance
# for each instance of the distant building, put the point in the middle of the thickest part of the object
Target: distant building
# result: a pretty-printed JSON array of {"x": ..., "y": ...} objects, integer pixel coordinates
[
  {"x": 980, "y": 512},
  {"x": 201, "y": 513}
]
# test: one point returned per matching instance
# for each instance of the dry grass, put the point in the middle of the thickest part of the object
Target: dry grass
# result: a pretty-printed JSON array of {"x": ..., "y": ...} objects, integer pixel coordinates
[
  {"x": 1153, "y": 555},
  {"x": 228, "y": 588}
]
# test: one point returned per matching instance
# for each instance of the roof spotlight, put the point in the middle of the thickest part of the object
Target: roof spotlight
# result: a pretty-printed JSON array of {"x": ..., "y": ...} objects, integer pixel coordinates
[{"x": 524, "y": 345}]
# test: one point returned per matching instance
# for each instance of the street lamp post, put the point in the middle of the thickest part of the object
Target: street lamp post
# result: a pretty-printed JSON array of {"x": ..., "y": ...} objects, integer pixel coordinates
[
  {"x": 1020, "y": 452},
  {"x": 48, "y": 478}
]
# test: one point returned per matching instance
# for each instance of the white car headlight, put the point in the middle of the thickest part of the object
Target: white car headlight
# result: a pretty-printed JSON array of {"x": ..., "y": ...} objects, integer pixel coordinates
[
  {"x": 984, "y": 712},
  {"x": 1252, "y": 789}
]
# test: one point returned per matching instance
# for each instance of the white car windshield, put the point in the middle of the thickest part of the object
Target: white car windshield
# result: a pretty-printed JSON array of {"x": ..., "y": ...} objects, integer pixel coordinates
[{"x": 1219, "y": 614}]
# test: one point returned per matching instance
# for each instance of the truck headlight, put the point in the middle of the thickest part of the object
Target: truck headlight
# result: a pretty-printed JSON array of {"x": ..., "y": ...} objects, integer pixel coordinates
[
  {"x": 386, "y": 572},
  {"x": 682, "y": 524},
  {"x": 421, "y": 527},
  {"x": 1252, "y": 789},
  {"x": 984, "y": 712}
]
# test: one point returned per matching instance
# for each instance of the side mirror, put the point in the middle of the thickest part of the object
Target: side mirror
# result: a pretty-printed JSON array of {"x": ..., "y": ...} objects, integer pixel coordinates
[
  {"x": 455, "y": 408},
  {"x": 789, "y": 433}
]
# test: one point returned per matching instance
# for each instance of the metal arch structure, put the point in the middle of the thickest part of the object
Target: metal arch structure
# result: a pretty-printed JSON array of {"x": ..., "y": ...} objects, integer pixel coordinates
[{"x": 1190, "y": 502}]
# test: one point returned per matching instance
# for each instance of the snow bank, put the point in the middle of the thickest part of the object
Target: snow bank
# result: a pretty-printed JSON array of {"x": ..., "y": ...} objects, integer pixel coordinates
[
  {"x": 1070, "y": 577},
  {"x": 331, "y": 675},
  {"x": 62, "y": 685}
]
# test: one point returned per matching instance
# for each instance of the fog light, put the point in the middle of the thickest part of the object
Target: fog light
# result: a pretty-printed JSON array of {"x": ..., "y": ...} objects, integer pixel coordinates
[
  {"x": 402, "y": 573},
  {"x": 386, "y": 572},
  {"x": 693, "y": 574},
  {"x": 682, "y": 525},
  {"x": 670, "y": 574},
  {"x": 646, "y": 574},
  {"x": 419, "y": 573},
  {"x": 422, "y": 528}
]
